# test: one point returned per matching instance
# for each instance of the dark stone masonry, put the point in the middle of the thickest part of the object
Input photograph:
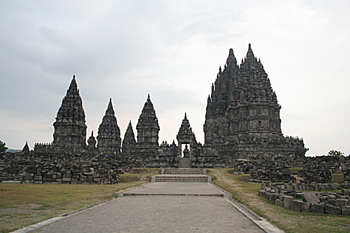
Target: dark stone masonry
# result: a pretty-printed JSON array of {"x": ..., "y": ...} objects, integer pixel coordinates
[
  {"x": 242, "y": 122},
  {"x": 243, "y": 115}
]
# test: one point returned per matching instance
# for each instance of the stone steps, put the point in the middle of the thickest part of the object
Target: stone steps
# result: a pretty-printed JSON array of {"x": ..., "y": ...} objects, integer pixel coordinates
[
  {"x": 181, "y": 178},
  {"x": 176, "y": 194},
  {"x": 183, "y": 171}
]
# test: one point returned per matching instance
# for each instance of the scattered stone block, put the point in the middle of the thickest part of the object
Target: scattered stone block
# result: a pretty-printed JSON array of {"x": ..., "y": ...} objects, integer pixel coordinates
[
  {"x": 317, "y": 208},
  {"x": 330, "y": 209},
  {"x": 341, "y": 202},
  {"x": 262, "y": 193},
  {"x": 345, "y": 210},
  {"x": 273, "y": 197},
  {"x": 278, "y": 202},
  {"x": 287, "y": 200},
  {"x": 296, "y": 205},
  {"x": 290, "y": 187},
  {"x": 310, "y": 197},
  {"x": 305, "y": 207}
]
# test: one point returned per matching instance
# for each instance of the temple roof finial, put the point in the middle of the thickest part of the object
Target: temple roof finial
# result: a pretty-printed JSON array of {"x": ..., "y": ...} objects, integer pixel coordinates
[
  {"x": 231, "y": 51},
  {"x": 110, "y": 107},
  {"x": 250, "y": 54}
]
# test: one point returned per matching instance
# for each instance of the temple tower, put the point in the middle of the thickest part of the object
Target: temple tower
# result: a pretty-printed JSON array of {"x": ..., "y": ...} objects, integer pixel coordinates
[
  {"x": 92, "y": 142},
  {"x": 185, "y": 136},
  {"x": 25, "y": 148},
  {"x": 217, "y": 102},
  {"x": 109, "y": 133},
  {"x": 69, "y": 127},
  {"x": 129, "y": 140},
  {"x": 147, "y": 126},
  {"x": 243, "y": 115}
]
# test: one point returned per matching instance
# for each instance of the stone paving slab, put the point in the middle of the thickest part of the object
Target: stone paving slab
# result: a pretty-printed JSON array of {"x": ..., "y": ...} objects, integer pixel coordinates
[
  {"x": 157, "y": 214},
  {"x": 176, "y": 188},
  {"x": 161, "y": 212}
]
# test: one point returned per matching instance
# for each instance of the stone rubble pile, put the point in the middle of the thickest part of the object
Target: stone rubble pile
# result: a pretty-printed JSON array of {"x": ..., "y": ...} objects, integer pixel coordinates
[
  {"x": 60, "y": 169},
  {"x": 276, "y": 169},
  {"x": 314, "y": 197}
]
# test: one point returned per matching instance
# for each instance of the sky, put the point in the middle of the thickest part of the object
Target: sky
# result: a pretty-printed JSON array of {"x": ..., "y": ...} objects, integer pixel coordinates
[{"x": 172, "y": 50}]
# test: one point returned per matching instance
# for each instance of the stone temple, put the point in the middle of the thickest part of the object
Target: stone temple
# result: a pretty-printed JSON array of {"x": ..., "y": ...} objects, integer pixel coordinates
[
  {"x": 243, "y": 116},
  {"x": 242, "y": 121}
]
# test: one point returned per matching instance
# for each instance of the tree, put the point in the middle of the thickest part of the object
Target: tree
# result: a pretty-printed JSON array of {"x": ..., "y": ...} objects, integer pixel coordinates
[
  {"x": 336, "y": 153},
  {"x": 3, "y": 147}
]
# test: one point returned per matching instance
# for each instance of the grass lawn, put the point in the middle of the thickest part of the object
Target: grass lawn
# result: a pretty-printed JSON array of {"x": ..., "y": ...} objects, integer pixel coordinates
[
  {"x": 287, "y": 220},
  {"x": 26, "y": 204}
]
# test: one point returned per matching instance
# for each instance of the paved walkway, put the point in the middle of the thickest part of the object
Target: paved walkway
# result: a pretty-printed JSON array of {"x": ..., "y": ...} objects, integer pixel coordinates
[{"x": 194, "y": 207}]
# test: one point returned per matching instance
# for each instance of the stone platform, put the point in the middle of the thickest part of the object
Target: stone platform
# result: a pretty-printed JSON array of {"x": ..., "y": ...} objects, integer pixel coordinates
[
  {"x": 184, "y": 171},
  {"x": 182, "y": 175}
]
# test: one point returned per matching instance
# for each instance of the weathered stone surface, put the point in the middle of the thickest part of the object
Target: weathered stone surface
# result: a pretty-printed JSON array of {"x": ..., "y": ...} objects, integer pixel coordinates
[
  {"x": 345, "y": 210},
  {"x": 92, "y": 142},
  {"x": 129, "y": 141},
  {"x": 39, "y": 168},
  {"x": 108, "y": 137},
  {"x": 305, "y": 207},
  {"x": 69, "y": 127},
  {"x": 243, "y": 115},
  {"x": 273, "y": 197},
  {"x": 287, "y": 202},
  {"x": 310, "y": 197},
  {"x": 341, "y": 202},
  {"x": 290, "y": 187},
  {"x": 317, "y": 208},
  {"x": 278, "y": 202},
  {"x": 296, "y": 205},
  {"x": 147, "y": 126},
  {"x": 331, "y": 199},
  {"x": 330, "y": 209},
  {"x": 186, "y": 136}
]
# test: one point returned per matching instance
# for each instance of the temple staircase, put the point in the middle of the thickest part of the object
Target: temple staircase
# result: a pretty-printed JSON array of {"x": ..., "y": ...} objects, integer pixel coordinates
[{"x": 182, "y": 175}]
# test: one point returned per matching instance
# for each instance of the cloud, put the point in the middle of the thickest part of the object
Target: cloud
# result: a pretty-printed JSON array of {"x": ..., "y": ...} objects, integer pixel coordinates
[{"x": 172, "y": 50}]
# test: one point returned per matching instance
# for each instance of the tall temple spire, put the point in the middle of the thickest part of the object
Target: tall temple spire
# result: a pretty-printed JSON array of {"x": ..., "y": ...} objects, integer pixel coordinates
[
  {"x": 70, "y": 127},
  {"x": 147, "y": 126},
  {"x": 25, "y": 148},
  {"x": 73, "y": 87},
  {"x": 250, "y": 55},
  {"x": 129, "y": 139},
  {"x": 231, "y": 61},
  {"x": 110, "y": 107},
  {"x": 109, "y": 133}
]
